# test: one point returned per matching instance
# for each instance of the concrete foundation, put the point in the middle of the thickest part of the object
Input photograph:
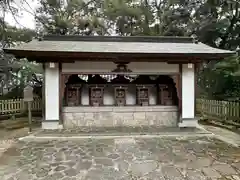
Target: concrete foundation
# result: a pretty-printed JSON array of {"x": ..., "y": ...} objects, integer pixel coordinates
[
  {"x": 133, "y": 116},
  {"x": 51, "y": 125},
  {"x": 187, "y": 122}
]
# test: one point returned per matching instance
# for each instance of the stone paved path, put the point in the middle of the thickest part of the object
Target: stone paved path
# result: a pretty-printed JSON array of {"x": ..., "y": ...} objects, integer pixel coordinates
[{"x": 122, "y": 159}]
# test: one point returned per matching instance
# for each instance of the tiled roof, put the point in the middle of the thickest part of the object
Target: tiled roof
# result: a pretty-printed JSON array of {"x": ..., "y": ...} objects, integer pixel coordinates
[{"x": 155, "y": 45}]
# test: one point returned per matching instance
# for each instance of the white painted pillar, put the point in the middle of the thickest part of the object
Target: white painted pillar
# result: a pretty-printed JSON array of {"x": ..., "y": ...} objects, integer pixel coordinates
[
  {"x": 52, "y": 90},
  {"x": 188, "y": 96}
]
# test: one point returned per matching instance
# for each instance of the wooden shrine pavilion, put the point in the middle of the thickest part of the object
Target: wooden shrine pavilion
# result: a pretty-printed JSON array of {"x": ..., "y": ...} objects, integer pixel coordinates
[{"x": 96, "y": 81}]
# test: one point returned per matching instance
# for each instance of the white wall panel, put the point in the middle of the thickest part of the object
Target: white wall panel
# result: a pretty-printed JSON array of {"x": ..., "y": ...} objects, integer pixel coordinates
[
  {"x": 188, "y": 92},
  {"x": 52, "y": 93}
]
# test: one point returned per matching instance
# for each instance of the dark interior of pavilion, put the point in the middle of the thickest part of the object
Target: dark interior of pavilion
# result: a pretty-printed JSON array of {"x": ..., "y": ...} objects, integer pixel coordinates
[{"x": 120, "y": 90}]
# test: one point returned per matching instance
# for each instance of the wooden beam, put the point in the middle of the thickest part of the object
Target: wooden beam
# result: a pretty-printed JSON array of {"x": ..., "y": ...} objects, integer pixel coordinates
[
  {"x": 195, "y": 88},
  {"x": 43, "y": 92},
  {"x": 60, "y": 94},
  {"x": 61, "y": 56},
  {"x": 167, "y": 60},
  {"x": 180, "y": 91}
]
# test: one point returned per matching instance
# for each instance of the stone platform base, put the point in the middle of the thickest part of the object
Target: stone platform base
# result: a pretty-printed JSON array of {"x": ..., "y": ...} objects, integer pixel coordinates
[{"x": 132, "y": 116}]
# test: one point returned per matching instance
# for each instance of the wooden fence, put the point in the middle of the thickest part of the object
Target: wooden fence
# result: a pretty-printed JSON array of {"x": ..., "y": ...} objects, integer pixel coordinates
[
  {"x": 14, "y": 106},
  {"x": 225, "y": 111}
]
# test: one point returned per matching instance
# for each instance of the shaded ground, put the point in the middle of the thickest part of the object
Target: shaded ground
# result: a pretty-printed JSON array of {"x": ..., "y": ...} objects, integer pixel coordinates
[
  {"x": 8, "y": 138},
  {"x": 11, "y": 130},
  {"x": 224, "y": 135},
  {"x": 13, "y": 134},
  {"x": 122, "y": 158},
  {"x": 231, "y": 126}
]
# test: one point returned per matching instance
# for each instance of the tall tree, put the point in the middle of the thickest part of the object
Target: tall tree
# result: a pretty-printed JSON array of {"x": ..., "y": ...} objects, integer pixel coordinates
[
  {"x": 217, "y": 23},
  {"x": 70, "y": 17},
  {"x": 14, "y": 73}
]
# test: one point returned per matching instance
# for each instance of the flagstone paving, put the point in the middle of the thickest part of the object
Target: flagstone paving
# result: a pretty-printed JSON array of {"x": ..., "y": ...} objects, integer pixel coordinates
[{"x": 192, "y": 158}]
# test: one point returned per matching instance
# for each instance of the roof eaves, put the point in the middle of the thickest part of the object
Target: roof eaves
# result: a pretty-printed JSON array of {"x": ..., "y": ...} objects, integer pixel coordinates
[
  {"x": 46, "y": 56},
  {"x": 151, "y": 39}
]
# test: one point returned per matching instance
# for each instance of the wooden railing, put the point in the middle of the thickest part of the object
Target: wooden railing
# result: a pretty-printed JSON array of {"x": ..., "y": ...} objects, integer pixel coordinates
[
  {"x": 14, "y": 106},
  {"x": 227, "y": 112}
]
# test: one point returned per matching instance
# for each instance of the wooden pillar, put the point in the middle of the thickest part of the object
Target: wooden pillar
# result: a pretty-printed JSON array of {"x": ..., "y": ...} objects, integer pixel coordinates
[
  {"x": 196, "y": 67},
  {"x": 64, "y": 79},
  {"x": 177, "y": 80}
]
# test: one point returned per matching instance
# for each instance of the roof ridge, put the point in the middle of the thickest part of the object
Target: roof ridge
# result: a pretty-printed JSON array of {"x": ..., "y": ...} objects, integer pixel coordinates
[{"x": 153, "y": 39}]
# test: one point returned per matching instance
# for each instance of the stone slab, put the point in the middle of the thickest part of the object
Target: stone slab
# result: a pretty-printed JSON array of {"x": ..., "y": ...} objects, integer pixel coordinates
[
  {"x": 211, "y": 173},
  {"x": 224, "y": 169},
  {"x": 115, "y": 119},
  {"x": 142, "y": 168}
]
